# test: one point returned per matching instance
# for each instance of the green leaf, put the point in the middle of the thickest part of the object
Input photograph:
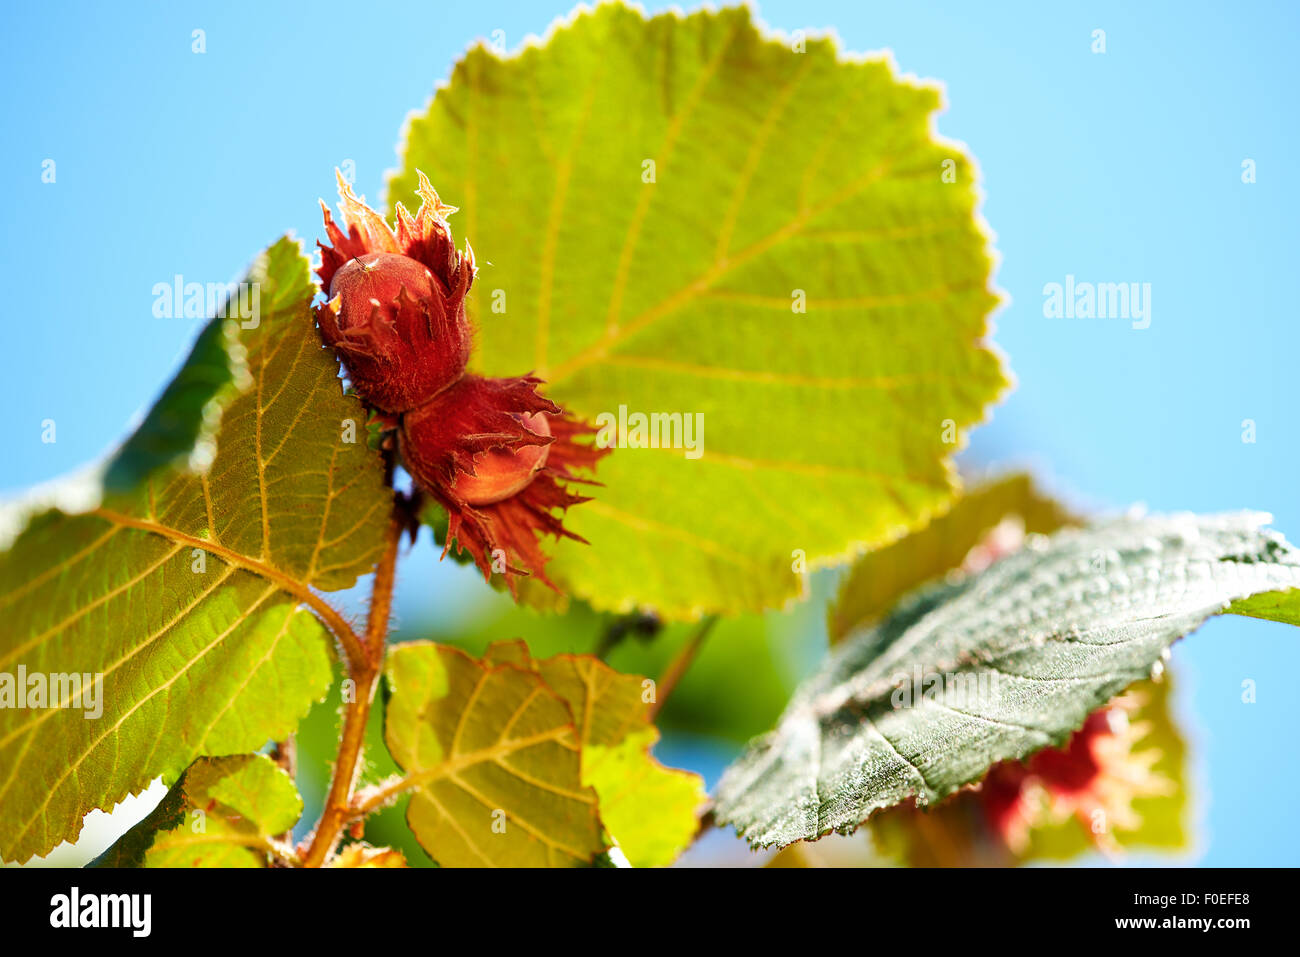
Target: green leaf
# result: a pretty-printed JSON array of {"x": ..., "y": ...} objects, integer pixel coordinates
[
  {"x": 708, "y": 701},
  {"x": 648, "y": 809},
  {"x": 180, "y": 430},
  {"x": 181, "y": 595},
  {"x": 777, "y": 174},
  {"x": 495, "y": 761},
  {"x": 1283, "y": 606},
  {"x": 968, "y": 673},
  {"x": 879, "y": 578},
  {"x": 1140, "y": 788},
  {"x": 223, "y": 812}
]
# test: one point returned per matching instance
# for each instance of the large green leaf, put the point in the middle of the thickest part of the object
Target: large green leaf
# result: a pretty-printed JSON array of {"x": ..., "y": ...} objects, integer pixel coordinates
[
  {"x": 181, "y": 592},
  {"x": 223, "y": 812},
  {"x": 776, "y": 174},
  {"x": 1001, "y": 664}
]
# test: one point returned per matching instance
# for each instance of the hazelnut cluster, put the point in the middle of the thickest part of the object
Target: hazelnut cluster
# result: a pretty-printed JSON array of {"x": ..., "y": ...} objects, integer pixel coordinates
[{"x": 494, "y": 452}]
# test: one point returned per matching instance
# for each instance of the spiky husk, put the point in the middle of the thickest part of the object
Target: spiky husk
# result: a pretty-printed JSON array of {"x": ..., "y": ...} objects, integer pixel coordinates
[
  {"x": 441, "y": 440},
  {"x": 400, "y": 353}
]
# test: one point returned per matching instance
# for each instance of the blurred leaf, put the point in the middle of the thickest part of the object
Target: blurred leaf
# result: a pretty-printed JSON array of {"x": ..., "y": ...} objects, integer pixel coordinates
[
  {"x": 770, "y": 650},
  {"x": 846, "y": 850},
  {"x": 879, "y": 578},
  {"x": 181, "y": 597},
  {"x": 223, "y": 812},
  {"x": 1162, "y": 817},
  {"x": 776, "y": 175},
  {"x": 910, "y": 708},
  {"x": 363, "y": 855},
  {"x": 496, "y": 761},
  {"x": 650, "y": 810}
]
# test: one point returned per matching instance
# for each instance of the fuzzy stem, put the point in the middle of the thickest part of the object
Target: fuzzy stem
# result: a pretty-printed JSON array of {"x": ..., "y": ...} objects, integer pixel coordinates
[
  {"x": 381, "y": 595},
  {"x": 365, "y": 674},
  {"x": 381, "y": 794}
]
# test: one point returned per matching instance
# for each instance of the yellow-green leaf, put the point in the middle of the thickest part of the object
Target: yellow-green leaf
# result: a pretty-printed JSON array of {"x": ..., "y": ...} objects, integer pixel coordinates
[
  {"x": 648, "y": 809},
  {"x": 1283, "y": 606},
  {"x": 181, "y": 592},
  {"x": 223, "y": 812},
  {"x": 494, "y": 759},
  {"x": 363, "y": 855},
  {"x": 651, "y": 811},
  {"x": 684, "y": 216}
]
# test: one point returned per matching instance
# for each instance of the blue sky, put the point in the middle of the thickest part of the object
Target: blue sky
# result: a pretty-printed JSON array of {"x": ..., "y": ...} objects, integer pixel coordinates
[{"x": 1119, "y": 167}]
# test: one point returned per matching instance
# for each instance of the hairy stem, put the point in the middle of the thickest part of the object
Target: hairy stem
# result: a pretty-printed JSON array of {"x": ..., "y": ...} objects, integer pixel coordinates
[
  {"x": 346, "y": 766},
  {"x": 380, "y": 794},
  {"x": 381, "y": 595},
  {"x": 365, "y": 676}
]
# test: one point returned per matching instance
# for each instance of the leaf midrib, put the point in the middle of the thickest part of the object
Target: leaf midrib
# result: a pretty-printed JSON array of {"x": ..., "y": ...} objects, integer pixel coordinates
[{"x": 284, "y": 581}]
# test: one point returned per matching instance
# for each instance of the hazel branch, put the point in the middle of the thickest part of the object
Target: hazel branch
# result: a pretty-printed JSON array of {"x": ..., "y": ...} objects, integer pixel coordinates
[{"x": 338, "y": 802}]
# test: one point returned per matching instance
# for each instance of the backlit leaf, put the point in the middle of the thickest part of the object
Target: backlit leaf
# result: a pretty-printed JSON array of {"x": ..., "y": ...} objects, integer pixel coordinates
[
  {"x": 649, "y": 810},
  {"x": 181, "y": 592},
  {"x": 653, "y": 204},
  {"x": 495, "y": 760},
  {"x": 1281, "y": 606},
  {"x": 223, "y": 812}
]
